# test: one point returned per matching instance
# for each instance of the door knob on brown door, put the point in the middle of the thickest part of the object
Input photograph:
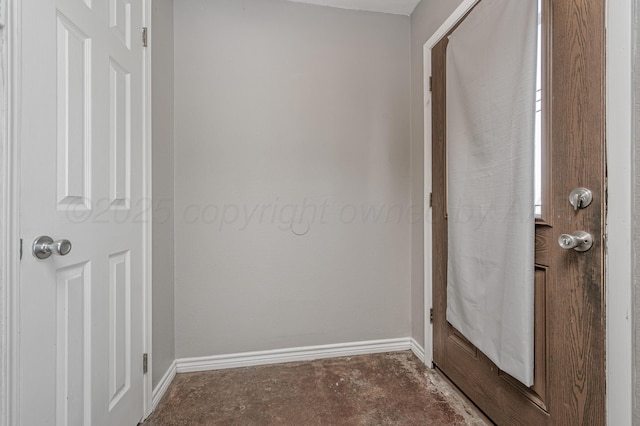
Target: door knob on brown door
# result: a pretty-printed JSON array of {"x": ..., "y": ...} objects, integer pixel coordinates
[
  {"x": 579, "y": 241},
  {"x": 44, "y": 246}
]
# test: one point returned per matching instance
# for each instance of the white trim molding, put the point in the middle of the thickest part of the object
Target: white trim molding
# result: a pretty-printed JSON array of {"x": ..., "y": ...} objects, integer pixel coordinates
[
  {"x": 278, "y": 356},
  {"x": 10, "y": 217},
  {"x": 395, "y": 7},
  {"x": 163, "y": 385},
  {"x": 619, "y": 231},
  {"x": 417, "y": 350},
  {"x": 147, "y": 219},
  {"x": 428, "y": 223}
]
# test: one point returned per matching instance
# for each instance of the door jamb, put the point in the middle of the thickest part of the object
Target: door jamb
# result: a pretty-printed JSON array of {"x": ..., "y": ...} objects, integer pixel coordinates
[
  {"x": 11, "y": 57},
  {"x": 147, "y": 194},
  {"x": 618, "y": 268},
  {"x": 10, "y": 99},
  {"x": 619, "y": 271}
]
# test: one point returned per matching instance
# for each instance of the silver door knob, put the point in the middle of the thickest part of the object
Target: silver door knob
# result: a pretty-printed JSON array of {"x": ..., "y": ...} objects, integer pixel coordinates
[
  {"x": 44, "y": 246},
  {"x": 579, "y": 241}
]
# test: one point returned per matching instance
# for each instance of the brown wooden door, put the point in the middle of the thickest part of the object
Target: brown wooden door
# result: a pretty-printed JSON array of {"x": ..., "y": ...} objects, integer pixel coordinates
[{"x": 569, "y": 386}]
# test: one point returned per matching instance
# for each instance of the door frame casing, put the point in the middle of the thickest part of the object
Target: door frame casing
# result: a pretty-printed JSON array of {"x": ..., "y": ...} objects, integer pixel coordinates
[
  {"x": 618, "y": 268},
  {"x": 619, "y": 224},
  {"x": 10, "y": 246},
  {"x": 10, "y": 219}
]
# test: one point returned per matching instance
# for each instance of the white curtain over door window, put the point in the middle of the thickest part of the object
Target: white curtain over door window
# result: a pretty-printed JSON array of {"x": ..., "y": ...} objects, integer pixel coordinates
[{"x": 491, "y": 85}]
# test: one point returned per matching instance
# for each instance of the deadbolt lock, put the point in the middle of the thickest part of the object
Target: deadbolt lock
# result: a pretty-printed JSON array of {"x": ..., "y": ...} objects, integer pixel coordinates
[{"x": 580, "y": 198}]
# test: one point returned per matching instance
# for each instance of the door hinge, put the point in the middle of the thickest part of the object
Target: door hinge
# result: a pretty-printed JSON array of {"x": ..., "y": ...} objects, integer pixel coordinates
[
  {"x": 20, "y": 248},
  {"x": 145, "y": 363},
  {"x": 431, "y": 315},
  {"x": 430, "y": 83},
  {"x": 431, "y": 199},
  {"x": 145, "y": 36}
]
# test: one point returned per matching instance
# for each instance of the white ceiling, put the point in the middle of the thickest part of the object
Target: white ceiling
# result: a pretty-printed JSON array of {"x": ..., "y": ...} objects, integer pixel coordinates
[{"x": 396, "y": 7}]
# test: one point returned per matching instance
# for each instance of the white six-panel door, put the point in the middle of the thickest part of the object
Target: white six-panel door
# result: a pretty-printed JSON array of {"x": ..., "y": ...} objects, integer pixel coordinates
[{"x": 81, "y": 159}]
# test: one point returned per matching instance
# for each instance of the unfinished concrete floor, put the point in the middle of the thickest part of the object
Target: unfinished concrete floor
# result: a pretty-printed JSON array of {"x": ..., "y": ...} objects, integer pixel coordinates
[{"x": 384, "y": 389}]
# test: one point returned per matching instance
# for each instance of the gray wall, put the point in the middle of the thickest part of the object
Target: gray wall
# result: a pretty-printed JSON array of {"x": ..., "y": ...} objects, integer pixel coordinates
[
  {"x": 290, "y": 118},
  {"x": 428, "y": 16},
  {"x": 162, "y": 145}
]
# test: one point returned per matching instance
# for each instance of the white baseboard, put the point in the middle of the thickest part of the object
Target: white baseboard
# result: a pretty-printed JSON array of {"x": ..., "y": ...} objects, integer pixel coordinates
[
  {"x": 417, "y": 350},
  {"x": 163, "y": 384},
  {"x": 308, "y": 353}
]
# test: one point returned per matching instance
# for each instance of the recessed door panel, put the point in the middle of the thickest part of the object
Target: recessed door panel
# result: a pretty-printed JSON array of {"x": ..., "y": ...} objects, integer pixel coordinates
[
  {"x": 120, "y": 20},
  {"x": 119, "y": 326},
  {"x": 73, "y": 115},
  {"x": 120, "y": 135},
  {"x": 73, "y": 336}
]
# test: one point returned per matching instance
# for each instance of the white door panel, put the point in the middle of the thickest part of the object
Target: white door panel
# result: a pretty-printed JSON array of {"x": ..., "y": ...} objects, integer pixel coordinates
[{"x": 81, "y": 336}]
